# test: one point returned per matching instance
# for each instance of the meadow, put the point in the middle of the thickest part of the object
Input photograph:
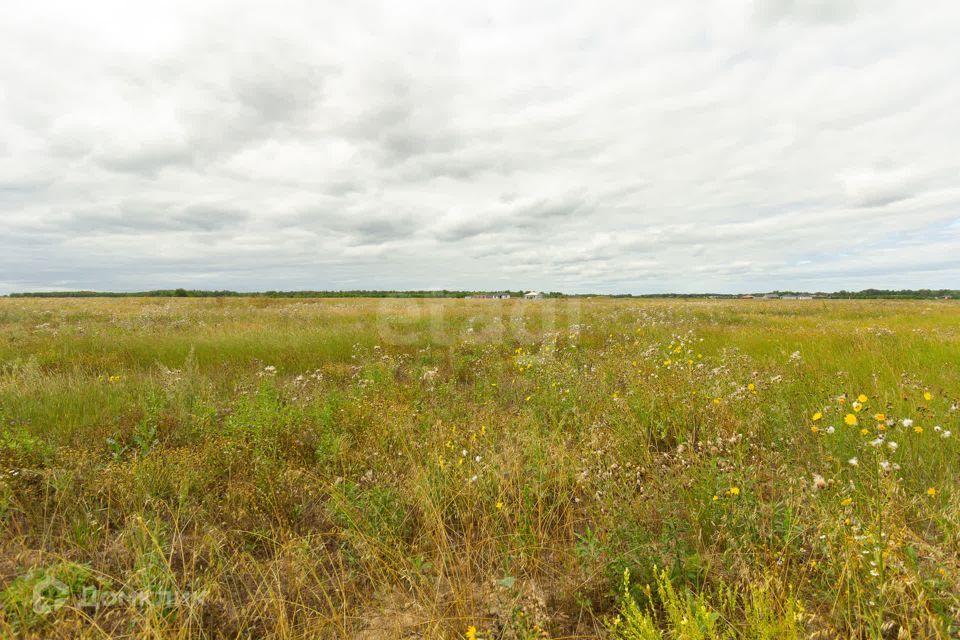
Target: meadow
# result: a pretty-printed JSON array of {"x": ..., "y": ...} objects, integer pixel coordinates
[{"x": 479, "y": 469}]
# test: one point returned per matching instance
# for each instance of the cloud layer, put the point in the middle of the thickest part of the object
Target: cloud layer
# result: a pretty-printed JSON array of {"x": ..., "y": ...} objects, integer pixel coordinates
[{"x": 611, "y": 147}]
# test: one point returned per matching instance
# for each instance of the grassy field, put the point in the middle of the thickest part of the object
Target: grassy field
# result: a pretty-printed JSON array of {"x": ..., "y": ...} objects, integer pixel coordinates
[{"x": 247, "y": 468}]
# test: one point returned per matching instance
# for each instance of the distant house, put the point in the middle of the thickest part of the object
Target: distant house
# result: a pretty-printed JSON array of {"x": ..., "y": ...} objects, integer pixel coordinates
[
  {"x": 770, "y": 296},
  {"x": 489, "y": 296},
  {"x": 533, "y": 295},
  {"x": 746, "y": 296}
]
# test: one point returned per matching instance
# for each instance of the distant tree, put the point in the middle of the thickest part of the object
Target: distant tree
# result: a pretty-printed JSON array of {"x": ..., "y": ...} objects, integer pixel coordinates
[{"x": 180, "y": 293}]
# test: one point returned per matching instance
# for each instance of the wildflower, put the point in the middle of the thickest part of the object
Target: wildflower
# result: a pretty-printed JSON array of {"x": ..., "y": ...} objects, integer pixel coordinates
[
  {"x": 816, "y": 416},
  {"x": 830, "y": 429},
  {"x": 734, "y": 491},
  {"x": 918, "y": 429},
  {"x": 853, "y": 462},
  {"x": 938, "y": 428},
  {"x": 892, "y": 445},
  {"x": 931, "y": 492},
  {"x": 751, "y": 387},
  {"x": 499, "y": 505},
  {"x": 814, "y": 429},
  {"x": 846, "y": 502},
  {"x": 715, "y": 497},
  {"x": 850, "y": 420},
  {"x": 945, "y": 434},
  {"x": 819, "y": 482},
  {"x": 876, "y": 442},
  {"x": 471, "y": 633},
  {"x": 885, "y": 465},
  {"x": 927, "y": 396},
  {"x": 879, "y": 417},
  {"x": 716, "y": 401},
  {"x": 907, "y": 422},
  {"x": 861, "y": 398},
  {"x": 864, "y": 432},
  {"x": 857, "y": 406}
]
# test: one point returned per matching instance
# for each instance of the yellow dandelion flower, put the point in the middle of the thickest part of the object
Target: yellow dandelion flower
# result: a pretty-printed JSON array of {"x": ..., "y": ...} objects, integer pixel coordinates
[
  {"x": 814, "y": 428},
  {"x": 716, "y": 401},
  {"x": 715, "y": 497},
  {"x": 927, "y": 396},
  {"x": 499, "y": 505},
  {"x": 857, "y": 406},
  {"x": 816, "y": 416},
  {"x": 862, "y": 398},
  {"x": 846, "y": 502},
  {"x": 864, "y": 432},
  {"x": 918, "y": 429},
  {"x": 471, "y": 633},
  {"x": 850, "y": 420},
  {"x": 752, "y": 387},
  {"x": 931, "y": 492},
  {"x": 666, "y": 362},
  {"x": 879, "y": 417},
  {"x": 734, "y": 491}
]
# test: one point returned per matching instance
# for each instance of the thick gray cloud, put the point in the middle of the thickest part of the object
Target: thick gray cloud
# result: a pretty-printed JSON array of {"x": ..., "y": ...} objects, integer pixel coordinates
[{"x": 685, "y": 146}]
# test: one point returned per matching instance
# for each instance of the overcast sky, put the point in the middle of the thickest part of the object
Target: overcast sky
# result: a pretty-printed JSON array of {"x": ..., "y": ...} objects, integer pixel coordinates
[{"x": 627, "y": 146}]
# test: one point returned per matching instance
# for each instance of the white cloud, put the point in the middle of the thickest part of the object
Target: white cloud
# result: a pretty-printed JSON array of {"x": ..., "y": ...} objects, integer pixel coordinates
[{"x": 687, "y": 146}]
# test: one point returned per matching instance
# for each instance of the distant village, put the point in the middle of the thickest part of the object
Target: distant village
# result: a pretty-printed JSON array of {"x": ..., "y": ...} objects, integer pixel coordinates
[{"x": 504, "y": 295}]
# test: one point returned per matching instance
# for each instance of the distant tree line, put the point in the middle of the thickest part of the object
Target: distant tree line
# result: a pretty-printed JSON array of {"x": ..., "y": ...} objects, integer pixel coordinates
[
  {"x": 202, "y": 293},
  {"x": 892, "y": 294},
  {"x": 888, "y": 294}
]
